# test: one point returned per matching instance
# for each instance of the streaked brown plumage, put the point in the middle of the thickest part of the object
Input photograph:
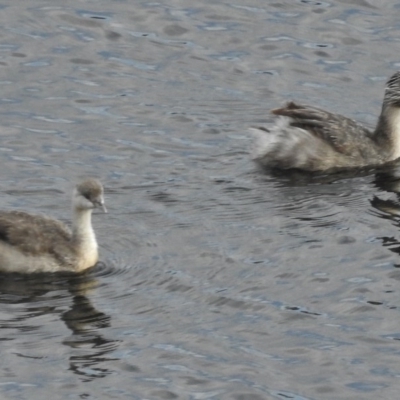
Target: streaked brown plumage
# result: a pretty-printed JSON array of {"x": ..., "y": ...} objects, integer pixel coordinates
[
  {"x": 36, "y": 243},
  {"x": 312, "y": 139}
]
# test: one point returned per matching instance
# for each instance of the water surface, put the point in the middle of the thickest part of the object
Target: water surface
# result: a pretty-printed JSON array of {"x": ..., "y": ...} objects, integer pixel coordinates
[{"x": 217, "y": 280}]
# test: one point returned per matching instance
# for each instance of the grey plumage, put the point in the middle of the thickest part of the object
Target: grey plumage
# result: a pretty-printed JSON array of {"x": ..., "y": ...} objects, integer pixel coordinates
[
  {"x": 310, "y": 138},
  {"x": 37, "y": 243}
]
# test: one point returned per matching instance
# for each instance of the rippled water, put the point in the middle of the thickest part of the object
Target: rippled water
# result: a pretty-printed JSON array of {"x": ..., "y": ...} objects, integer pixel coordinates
[{"x": 217, "y": 280}]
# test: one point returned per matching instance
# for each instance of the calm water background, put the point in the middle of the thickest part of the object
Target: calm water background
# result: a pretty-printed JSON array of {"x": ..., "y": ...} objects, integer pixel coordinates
[{"x": 217, "y": 281}]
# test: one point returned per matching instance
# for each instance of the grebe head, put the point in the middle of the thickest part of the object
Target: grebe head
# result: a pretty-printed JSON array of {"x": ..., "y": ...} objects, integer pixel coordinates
[
  {"x": 392, "y": 91},
  {"x": 89, "y": 194}
]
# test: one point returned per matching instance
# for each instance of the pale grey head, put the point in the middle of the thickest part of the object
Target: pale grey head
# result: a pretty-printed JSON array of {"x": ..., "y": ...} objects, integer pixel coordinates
[
  {"x": 88, "y": 195},
  {"x": 392, "y": 91}
]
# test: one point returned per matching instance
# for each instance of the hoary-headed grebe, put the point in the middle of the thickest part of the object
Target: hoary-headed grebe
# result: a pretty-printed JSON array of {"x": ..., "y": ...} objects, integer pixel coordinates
[
  {"x": 312, "y": 139},
  {"x": 35, "y": 243}
]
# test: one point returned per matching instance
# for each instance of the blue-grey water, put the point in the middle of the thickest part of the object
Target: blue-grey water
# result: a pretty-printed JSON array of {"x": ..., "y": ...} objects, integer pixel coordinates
[{"x": 217, "y": 280}]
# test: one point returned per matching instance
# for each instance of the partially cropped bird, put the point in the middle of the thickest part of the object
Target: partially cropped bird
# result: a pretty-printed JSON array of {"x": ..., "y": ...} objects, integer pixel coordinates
[{"x": 313, "y": 139}]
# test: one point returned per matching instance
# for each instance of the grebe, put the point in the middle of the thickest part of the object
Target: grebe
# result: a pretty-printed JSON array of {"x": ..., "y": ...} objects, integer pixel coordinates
[
  {"x": 312, "y": 139},
  {"x": 35, "y": 243}
]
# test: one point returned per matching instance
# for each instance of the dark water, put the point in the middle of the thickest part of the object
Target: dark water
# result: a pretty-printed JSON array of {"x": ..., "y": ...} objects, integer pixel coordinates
[{"x": 217, "y": 281}]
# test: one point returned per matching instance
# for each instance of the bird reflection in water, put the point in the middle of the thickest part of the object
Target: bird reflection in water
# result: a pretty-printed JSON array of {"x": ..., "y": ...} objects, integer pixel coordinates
[
  {"x": 388, "y": 181},
  {"x": 41, "y": 295},
  {"x": 85, "y": 321}
]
